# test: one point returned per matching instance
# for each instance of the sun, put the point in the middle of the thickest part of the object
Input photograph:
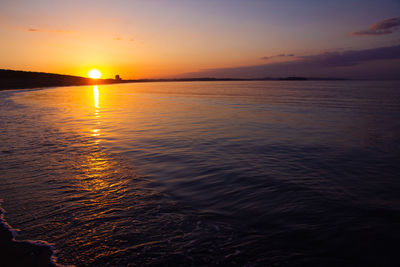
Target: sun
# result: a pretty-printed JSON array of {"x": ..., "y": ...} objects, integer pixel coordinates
[{"x": 94, "y": 74}]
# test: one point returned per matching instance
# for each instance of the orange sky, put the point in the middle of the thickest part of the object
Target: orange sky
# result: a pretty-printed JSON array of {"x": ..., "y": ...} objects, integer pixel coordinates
[{"x": 147, "y": 39}]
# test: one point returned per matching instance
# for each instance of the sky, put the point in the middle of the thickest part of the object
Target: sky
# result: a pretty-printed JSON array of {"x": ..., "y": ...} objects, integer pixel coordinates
[{"x": 219, "y": 38}]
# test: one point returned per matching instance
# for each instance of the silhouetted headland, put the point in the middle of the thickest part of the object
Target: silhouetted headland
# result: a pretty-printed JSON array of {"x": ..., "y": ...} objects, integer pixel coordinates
[{"x": 12, "y": 79}]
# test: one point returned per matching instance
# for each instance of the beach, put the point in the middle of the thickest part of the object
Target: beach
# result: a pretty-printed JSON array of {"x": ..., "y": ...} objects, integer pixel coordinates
[{"x": 22, "y": 253}]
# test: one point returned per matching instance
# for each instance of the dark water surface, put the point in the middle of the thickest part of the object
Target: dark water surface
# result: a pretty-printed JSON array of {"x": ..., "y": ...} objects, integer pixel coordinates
[{"x": 202, "y": 173}]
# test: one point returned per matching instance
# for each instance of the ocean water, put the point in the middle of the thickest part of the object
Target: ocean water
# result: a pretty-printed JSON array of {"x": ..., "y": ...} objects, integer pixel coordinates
[{"x": 281, "y": 173}]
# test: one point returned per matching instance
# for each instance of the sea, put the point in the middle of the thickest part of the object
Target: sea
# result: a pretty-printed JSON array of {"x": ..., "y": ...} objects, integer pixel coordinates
[{"x": 233, "y": 173}]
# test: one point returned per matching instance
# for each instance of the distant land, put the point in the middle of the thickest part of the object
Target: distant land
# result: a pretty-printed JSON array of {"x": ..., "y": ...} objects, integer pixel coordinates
[{"x": 14, "y": 79}]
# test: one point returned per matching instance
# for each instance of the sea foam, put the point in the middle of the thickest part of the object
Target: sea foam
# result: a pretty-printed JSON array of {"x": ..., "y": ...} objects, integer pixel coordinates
[{"x": 24, "y": 252}]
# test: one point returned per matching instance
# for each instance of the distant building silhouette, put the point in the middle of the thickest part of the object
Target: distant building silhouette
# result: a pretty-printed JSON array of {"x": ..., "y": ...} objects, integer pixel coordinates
[{"x": 117, "y": 78}]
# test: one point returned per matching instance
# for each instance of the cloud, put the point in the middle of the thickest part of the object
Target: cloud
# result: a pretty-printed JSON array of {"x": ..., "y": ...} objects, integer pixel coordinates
[
  {"x": 371, "y": 32},
  {"x": 353, "y": 57},
  {"x": 383, "y": 27},
  {"x": 45, "y": 30},
  {"x": 385, "y": 24},
  {"x": 280, "y": 55},
  {"x": 375, "y": 63},
  {"x": 117, "y": 39}
]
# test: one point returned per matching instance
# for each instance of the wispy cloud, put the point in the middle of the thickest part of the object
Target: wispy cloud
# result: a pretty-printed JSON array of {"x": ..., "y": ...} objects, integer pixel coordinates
[
  {"x": 353, "y": 57},
  {"x": 276, "y": 56},
  {"x": 371, "y": 32},
  {"x": 348, "y": 63},
  {"x": 47, "y": 30},
  {"x": 385, "y": 24},
  {"x": 383, "y": 27},
  {"x": 37, "y": 30}
]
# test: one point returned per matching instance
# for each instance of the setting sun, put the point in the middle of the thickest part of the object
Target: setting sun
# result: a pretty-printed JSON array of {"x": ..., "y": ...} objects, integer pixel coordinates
[{"x": 94, "y": 74}]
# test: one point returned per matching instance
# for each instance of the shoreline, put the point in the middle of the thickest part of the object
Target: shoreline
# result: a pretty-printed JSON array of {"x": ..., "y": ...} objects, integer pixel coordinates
[
  {"x": 12, "y": 79},
  {"x": 23, "y": 252},
  {"x": 165, "y": 81}
]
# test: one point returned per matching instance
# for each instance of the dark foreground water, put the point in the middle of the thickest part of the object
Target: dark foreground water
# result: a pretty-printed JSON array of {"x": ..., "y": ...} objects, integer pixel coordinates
[{"x": 232, "y": 173}]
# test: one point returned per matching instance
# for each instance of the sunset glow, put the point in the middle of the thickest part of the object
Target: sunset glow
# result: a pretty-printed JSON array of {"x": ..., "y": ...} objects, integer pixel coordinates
[
  {"x": 174, "y": 39},
  {"x": 94, "y": 74}
]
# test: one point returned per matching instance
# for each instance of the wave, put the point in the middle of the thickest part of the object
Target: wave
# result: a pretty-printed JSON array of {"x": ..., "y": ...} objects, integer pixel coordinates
[{"x": 24, "y": 252}]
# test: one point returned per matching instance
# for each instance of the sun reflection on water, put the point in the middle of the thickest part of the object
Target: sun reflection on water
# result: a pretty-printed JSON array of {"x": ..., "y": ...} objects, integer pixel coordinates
[
  {"x": 95, "y": 133},
  {"x": 96, "y": 96},
  {"x": 98, "y": 171}
]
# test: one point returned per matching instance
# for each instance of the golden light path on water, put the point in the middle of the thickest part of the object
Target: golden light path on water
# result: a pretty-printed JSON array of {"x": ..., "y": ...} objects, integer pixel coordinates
[
  {"x": 97, "y": 165},
  {"x": 96, "y": 95}
]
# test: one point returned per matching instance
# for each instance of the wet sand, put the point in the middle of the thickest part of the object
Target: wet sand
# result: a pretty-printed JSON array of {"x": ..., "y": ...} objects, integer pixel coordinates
[{"x": 22, "y": 253}]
